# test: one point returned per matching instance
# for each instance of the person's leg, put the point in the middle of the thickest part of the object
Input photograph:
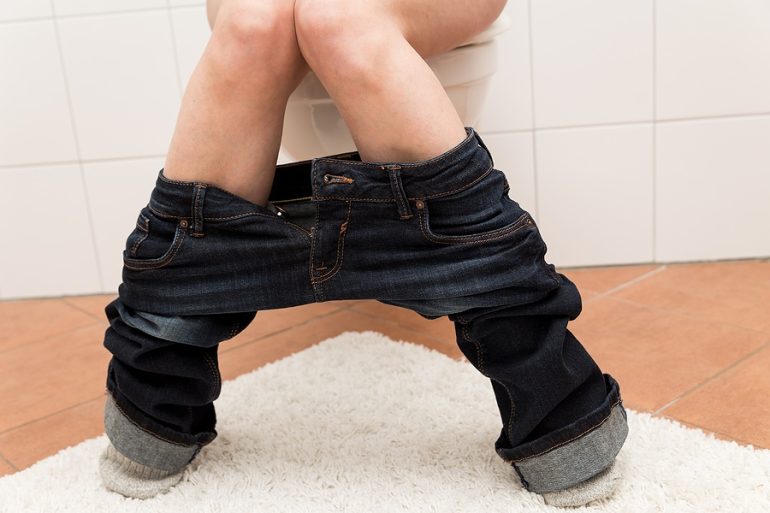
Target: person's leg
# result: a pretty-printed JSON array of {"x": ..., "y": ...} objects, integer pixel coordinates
[
  {"x": 229, "y": 127},
  {"x": 369, "y": 55}
]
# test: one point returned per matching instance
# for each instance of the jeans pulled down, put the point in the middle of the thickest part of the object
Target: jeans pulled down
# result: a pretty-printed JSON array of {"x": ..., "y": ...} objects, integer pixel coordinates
[{"x": 441, "y": 237}]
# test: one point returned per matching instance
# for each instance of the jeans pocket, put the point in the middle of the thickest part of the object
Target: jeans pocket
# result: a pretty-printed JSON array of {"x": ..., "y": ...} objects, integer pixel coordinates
[
  {"x": 479, "y": 213},
  {"x": 154, "y": 242}
]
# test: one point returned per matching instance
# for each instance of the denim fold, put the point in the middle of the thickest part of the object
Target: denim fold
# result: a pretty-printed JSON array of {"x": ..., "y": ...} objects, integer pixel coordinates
[{"x": 440, "y": 237}]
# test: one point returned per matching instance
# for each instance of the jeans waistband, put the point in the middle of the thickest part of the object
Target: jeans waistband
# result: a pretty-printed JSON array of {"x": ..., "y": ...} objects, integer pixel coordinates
[{"x": 342, "y": 176}]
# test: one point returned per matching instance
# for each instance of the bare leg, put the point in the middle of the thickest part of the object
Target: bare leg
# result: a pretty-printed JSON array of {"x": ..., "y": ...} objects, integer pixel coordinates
[
  {"x": 228, "y": 131},
  {"x": 392, "y": 102}
]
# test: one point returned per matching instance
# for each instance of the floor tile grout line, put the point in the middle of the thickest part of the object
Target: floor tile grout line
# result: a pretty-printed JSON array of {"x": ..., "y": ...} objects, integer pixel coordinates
[
  {"x": 51, "y": 414},
  {"x": 8, "y": 462},
  {"x": 728, "y": 436},
  {"x": 630, "y": 282},
  {"x": 685, "y": 314},
  {"x": 83, "y": 310},
  {"x": 712, "y": 378},
  {"x": 50, "y": 335}
]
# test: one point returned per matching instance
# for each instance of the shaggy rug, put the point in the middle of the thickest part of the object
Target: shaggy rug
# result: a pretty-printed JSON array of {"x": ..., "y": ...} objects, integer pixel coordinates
[{"x": 362, "y": 423}]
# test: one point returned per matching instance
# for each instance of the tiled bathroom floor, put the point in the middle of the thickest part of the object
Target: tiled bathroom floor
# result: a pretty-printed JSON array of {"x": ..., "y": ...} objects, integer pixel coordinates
[{"x": 685, "y": 341}]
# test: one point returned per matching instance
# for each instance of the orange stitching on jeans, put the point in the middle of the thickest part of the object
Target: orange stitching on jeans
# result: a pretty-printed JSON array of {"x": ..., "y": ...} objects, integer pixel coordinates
[
  {"x": 340, "y": 250},
  {"x": 480, "y": 358},
  {"x": 463, "y": 187},
  {"x": 571, "y": 439},
  {"x": 146, "y": 230},
  {"x": 505, "y": 231},
  {"x": 213, "y": 369},
  {"x": 165, "y": 260},
  {"x": 172, "y": 216}
]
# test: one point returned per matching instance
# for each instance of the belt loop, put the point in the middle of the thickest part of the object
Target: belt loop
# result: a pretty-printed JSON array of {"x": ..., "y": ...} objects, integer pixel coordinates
[
  {"x": 198, "y": 200},
  {"x": 481, "y": 143},
  {"x": 404, "y": 211}
]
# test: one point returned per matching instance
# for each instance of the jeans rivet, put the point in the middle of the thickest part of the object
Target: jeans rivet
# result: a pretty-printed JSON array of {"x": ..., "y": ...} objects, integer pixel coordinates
[
  {"x": 419, "y": 204},
  {"x": 183, "y": 223}
]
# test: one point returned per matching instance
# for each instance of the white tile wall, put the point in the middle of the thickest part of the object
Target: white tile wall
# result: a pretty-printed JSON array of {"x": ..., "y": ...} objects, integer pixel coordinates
[
  {"x": 48, "y": 247},
  {"x": 592, "y": 61},
  {"x": 123, "y": 81},
  {"x": 102, "y": 95},
  {"x": 27, "y": 9},
  {"x": 509, "y": 105},
  {"x": 512, "y": 154},
  {"x": 176, "y": 3},
  {"x": 713, "y": 58},
  {"x": 191, "y": 33},
  {"x": 35, "y": 123},
  {"x": 595, "y": 194},
  {"x": 713, "y": 189},
  {"x": 130, "y": 182},
  {"x": 74, "y": 7}
]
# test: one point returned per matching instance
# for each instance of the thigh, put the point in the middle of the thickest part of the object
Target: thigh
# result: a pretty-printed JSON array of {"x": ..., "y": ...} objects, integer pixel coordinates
[{"x": 433, "y": 27}]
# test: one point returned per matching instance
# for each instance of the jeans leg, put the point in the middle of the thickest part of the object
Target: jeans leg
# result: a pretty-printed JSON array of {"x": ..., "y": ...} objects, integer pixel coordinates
[
  {"x": 163, "y": 379},
  {"x": 563, "y": 420}
]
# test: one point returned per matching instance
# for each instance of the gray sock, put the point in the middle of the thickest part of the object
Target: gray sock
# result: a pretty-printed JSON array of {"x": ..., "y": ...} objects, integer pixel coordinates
[
  {"x": 600, "y": 486},
  {"x": 133, "y": 479}
]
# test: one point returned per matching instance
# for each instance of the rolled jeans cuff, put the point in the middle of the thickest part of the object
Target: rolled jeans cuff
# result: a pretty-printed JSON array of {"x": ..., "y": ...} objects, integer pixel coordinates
[
  {"x": 142, "y": 446},
  {"x": 577, "y": 458}
]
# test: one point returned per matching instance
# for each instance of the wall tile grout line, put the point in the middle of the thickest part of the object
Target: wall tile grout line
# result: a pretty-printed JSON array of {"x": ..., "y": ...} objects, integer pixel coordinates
[
  {"x": 489, "y": 132},
  {"x": 78, "y": 150},
  {"x": 711, "y": 378},
  {"x": 532, "y": 107},
  {"x": 654, "y": 131},
  {"x": 99, "y": 13},
  {"x": 81, "y": 161},
  {"x": 180, "y": 86}
]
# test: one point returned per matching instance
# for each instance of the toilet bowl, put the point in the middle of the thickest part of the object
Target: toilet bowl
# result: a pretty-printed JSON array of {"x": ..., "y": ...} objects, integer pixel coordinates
[{"x": 313, "y": 126}]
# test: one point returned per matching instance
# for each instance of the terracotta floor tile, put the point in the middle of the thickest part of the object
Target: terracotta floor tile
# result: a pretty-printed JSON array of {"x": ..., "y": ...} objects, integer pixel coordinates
[
  {"x": 735, "y": 292},
  {"x": 44, "y": 377},
  {"x": 92, "y": 305},
  {"x": 602, "y": 279},
  {"x": 30, "y": 320},
  {"x": 41, "y": 438},
  {"x": 268, "y": 322},
  {"x": 736, "y": 403},
  {"x": 657, "y": 356},
  {"x": 247, "y": 357},
  {"x": 5, "y": 467}
]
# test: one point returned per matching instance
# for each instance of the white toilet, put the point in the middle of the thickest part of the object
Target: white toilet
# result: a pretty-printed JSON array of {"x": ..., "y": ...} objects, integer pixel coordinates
[{"x": 313, "y": 126}]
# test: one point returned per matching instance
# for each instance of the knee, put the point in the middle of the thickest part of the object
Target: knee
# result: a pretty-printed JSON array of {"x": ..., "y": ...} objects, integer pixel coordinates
[
  {"x": 266, "y": 25},
  {"x": 342, "y": 34}
]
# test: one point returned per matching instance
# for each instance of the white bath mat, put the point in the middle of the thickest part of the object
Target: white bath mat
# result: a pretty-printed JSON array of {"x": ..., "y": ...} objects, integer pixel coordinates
[{"x": 361, "y": 423}]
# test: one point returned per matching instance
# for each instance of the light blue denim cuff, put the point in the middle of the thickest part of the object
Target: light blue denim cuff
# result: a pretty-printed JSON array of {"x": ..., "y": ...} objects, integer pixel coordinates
[
  {"x": 578, "y": 459},
  {"x": 141, "y": 446}
]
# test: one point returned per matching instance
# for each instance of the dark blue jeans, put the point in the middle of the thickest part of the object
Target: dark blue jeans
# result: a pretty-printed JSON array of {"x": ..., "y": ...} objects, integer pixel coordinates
[{"x": 441, "y": 237}]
